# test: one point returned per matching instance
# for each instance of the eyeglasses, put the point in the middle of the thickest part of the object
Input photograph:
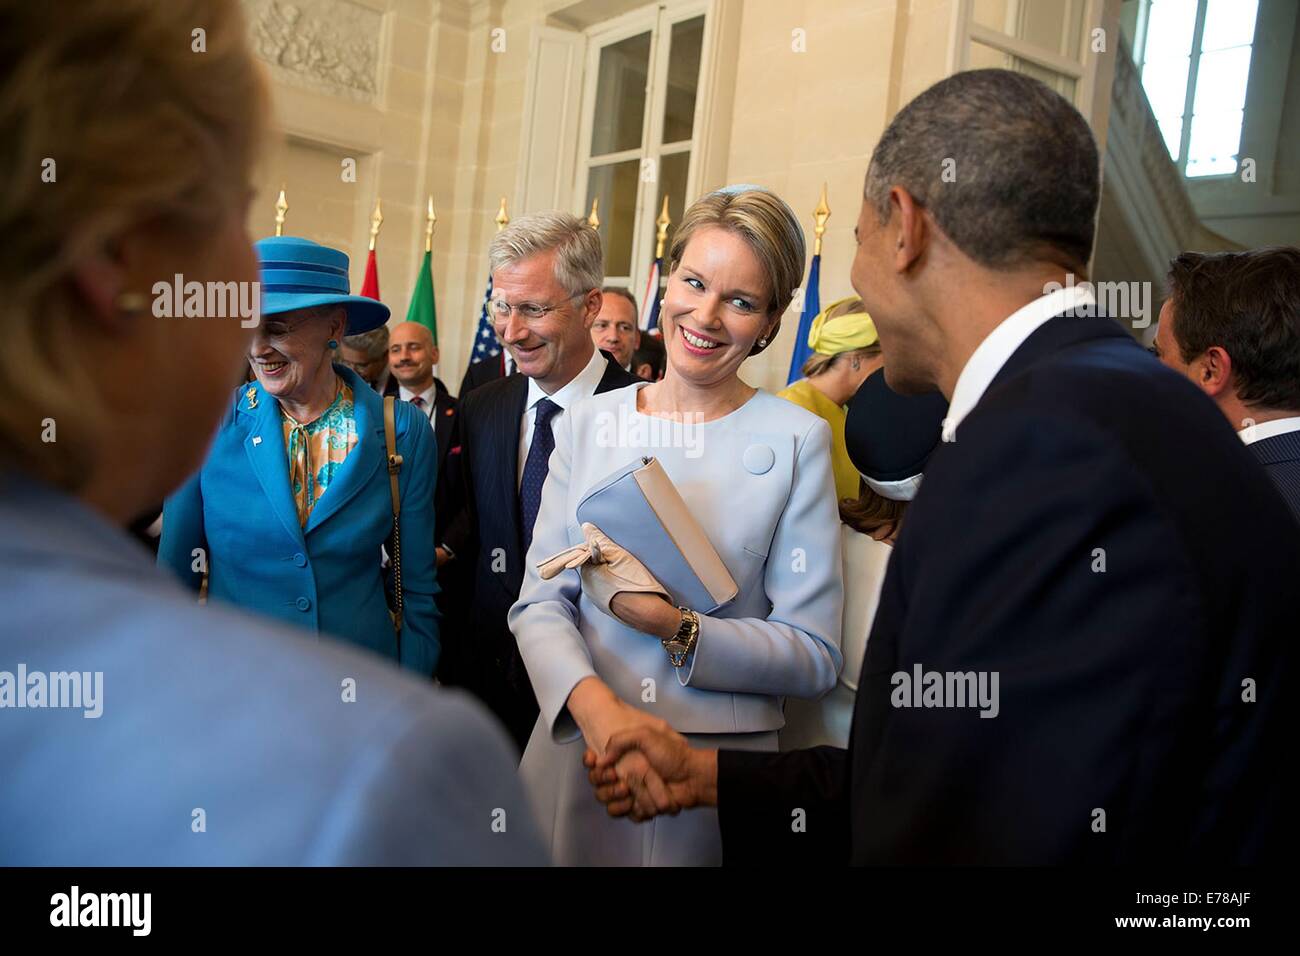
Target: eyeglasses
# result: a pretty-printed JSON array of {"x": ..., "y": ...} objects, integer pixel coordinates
[{"x": 529, "y": 311}]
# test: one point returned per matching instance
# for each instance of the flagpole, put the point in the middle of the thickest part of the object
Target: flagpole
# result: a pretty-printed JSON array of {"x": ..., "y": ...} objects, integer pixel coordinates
[
  {"x": 812, "y": 294},
  {"x": 485, "y": 321},
  {"x": 649, "y": 320},
  {"x": 663, "y": 222},
  {"x": 370, "y": 284},
  {"x": 820, "y": 215},
  {"x": 376, "y": 220},
  {"x": 281, "y": 210}
]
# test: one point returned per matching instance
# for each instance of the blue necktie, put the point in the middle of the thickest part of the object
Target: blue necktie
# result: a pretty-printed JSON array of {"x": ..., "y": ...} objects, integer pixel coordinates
[{"x": 535, "y": 468}]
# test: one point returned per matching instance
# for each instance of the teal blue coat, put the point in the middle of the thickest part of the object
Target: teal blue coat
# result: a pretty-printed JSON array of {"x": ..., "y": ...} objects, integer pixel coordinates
[{"x": 324, "y": 577}]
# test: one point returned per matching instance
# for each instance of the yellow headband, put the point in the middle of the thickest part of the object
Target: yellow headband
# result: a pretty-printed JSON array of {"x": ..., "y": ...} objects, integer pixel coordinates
[{"x": 833, "y": 334}]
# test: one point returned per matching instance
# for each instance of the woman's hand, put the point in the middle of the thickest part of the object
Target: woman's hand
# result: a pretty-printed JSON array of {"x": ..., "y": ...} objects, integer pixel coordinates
[{"x": 600, "y": 714}]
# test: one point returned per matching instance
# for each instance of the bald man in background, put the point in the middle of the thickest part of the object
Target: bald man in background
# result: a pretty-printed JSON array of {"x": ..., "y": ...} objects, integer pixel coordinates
[{"x": 412, "y": 354}]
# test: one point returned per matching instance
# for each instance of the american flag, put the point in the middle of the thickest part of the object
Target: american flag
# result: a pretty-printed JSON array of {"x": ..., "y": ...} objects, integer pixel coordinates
[{"x": 485, "y": 340}]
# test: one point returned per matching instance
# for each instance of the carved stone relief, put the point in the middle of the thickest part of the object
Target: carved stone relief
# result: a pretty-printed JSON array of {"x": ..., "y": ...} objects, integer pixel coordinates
[{"x": 327, "y": 45}]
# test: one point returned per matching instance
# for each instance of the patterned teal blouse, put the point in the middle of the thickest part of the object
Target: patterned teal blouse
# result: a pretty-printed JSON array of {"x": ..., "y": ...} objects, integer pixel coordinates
[{"x": 318, "y": 449}]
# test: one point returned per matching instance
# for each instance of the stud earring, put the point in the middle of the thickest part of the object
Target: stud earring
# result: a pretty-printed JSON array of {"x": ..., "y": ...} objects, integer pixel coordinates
[
  {"x": 333, "y": 343},
  {"x": 762, "y": 343},
  {"x": 131, "y": 303}
]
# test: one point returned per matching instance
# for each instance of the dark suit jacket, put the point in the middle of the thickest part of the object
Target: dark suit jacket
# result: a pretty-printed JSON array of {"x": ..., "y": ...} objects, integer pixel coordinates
[
  {"x": 1120, "y": 691},
  {"x": 1280, "y": 456},
  {"x": 487, "y": 538},
  {"x": 443, "y": 419},
  {"x": 481, "y": 372}
]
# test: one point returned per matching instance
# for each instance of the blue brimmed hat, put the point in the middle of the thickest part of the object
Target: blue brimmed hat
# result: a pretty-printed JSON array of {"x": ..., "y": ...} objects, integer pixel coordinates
[{"x": 301, "y": 274}]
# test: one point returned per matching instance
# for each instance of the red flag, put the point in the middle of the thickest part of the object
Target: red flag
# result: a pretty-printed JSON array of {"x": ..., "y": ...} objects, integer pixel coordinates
[{"x": 370, "y": 288}]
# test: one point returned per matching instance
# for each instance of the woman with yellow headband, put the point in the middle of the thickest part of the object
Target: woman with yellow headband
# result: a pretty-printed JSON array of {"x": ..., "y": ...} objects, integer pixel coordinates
[{"x": 846, "y": 350}]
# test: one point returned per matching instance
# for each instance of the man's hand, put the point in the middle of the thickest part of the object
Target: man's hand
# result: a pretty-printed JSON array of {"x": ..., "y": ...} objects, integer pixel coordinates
[{"x": 647, "y": 771}]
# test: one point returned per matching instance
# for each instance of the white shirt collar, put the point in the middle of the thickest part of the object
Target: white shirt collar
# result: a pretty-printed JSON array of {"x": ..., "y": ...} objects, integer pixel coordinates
[
  {"x": 430, "y": 396},
  {"x": 1000, "y": 344},
  {"x": 583, "y": 385},
  {"x": 1278, "y": 426}
]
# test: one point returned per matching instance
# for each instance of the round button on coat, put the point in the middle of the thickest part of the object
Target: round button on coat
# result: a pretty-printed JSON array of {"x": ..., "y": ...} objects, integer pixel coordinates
[
  {"x": 300, "y": 559},
  {"x": 758, "y": 459},
  {"x": 304, "y": 604}
]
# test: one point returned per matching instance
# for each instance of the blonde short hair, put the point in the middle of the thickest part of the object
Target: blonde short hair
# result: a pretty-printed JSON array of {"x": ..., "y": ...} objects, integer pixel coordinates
[
  {"x": 579, "y": 262},
  {"x": 130, "y": 123},
  {"x": 767, "y": 225}
]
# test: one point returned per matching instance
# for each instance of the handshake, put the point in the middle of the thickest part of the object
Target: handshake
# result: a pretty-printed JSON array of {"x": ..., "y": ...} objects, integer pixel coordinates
[{"x": 648, "y": 770}]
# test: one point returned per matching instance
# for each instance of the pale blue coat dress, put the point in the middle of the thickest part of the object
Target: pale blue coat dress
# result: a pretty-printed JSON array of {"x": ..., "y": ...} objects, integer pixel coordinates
[{"x": 759, "y": 482}]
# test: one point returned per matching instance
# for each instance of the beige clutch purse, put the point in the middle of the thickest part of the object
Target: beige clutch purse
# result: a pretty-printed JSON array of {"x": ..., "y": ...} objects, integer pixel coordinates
[{"x": 640, "y": 509}]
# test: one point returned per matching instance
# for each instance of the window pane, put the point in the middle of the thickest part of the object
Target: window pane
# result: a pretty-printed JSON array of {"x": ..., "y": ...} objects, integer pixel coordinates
[
  {"x": 983, "y": 56},
  {"x": 1169, "y": 29},
  {"x": 615, "y": 186},
  {"x": 620, "y": 95},
  {"x": 683, "y": 79},
  {"x": 1215, "y": 140},
  {"x": 1165, "y": 83},
  {"x": 1221, "y": 80},
  {"x": 672, "y": 183},
  {"x": 1229, "y": 23}
]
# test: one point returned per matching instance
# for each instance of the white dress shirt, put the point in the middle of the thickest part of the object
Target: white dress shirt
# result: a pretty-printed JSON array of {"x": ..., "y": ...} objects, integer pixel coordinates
[
  {"x": 583, "y": 385},
  {"x": 429, "y": 396},
  {"x": 1278, "y": 426},
  {"x": 1000, "y": 344}
]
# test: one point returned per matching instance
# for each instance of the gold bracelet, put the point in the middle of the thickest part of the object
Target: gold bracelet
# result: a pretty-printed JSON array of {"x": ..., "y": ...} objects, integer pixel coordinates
[{"x": 680, "y": 645}]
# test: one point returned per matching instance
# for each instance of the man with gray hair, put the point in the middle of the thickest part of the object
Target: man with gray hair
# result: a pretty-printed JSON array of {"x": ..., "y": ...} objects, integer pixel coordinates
[
  {"x": 547, "y": 272},
  {"x": 367, "y": 355}
]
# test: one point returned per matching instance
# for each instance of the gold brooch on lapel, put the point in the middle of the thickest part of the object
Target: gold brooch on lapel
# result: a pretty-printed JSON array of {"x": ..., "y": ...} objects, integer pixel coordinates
[{"x": 251, "y": 395}]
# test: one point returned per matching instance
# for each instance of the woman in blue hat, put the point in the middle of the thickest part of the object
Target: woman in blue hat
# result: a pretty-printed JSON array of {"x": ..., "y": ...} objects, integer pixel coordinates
[{"x": 290, "y": 511}]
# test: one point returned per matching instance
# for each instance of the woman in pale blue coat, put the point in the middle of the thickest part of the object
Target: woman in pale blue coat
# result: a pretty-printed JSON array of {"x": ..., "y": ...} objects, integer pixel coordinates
[
  {"x": 755, "y": 472},
  {"x": 290, "y": 510}
]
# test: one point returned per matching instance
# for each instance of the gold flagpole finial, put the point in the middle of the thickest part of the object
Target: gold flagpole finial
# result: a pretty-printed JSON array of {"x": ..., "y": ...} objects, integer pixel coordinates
[
  {"x": 594, "y": 219},
  {"x": 430, "y": 220},
  {"x": 663, "y": 222},
  {"x": 820, "y": 215},
  {"x": 503, "y": 218},
  {"x": 281, "y": 208},
  {"x": 376, "y": 220}
]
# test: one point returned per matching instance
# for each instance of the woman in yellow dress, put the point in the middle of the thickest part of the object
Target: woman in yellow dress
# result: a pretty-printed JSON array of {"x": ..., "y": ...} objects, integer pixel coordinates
[{"x": 846, "y": 350}]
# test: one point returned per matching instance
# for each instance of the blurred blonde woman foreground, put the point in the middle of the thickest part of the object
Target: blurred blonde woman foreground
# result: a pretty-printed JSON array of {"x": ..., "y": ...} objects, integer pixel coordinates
[
  {"x": 198, "y": 715},
  {"x": 755, "y": 472}
]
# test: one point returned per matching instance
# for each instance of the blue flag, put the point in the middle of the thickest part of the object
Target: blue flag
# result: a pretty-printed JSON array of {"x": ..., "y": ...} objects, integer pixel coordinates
[{"x": 812, "y": 304}]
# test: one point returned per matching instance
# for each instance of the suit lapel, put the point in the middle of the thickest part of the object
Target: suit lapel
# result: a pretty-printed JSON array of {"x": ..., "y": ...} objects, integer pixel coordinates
[
  {"x": 264, "y": 445},
  {"x": 503, "y": 467},
  {"x": 365, "y": 458}
]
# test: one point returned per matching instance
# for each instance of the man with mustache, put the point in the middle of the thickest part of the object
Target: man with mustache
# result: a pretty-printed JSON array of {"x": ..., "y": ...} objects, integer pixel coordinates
[{"x": 412, "y": 354}]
